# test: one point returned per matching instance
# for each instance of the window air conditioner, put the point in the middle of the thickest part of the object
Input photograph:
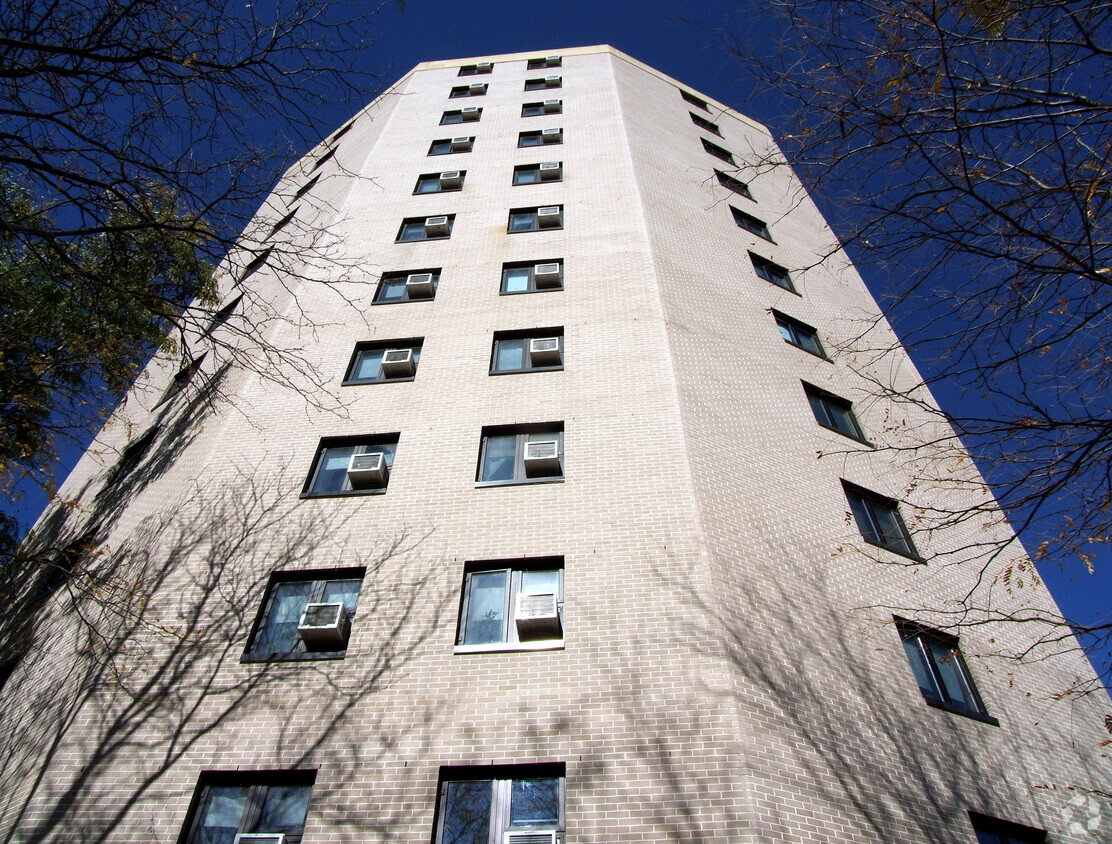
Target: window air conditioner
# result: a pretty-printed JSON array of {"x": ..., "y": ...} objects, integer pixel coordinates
[
  {"x": 544, "y": 351},
  {"x": 552, "y": 60},
  {"x": 436, "y": 227},
  {"x": 537, "y": 614},
  {"x": 265, "y": 838},
  {"x": 397, "y": 363},
  {"x": 550, "y": 170},
  {"x": 542, "y": 458},
  {"x": 528, "y": 836},
  {"x": 419, "y": 285},
  {"x": 548, "y": 216},
  {"x": 552, "y": 136},
  {"x": 482, "y": 66},
  {"x": 546, "y": 275},
  {"x": 450, "y": 179},
  {"x": 324, "y": 627},
  {"x": 368, "y": 471},
  {"x": 553, "y": 105},
  {"x": 552, "y": 81},
  {"x": 461, "y": 143},
  {"x": 476, "y": 88},
  {"x": 470, "y": 113}
]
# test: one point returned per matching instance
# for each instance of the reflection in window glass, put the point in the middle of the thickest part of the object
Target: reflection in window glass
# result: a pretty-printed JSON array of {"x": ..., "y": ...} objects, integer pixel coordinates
[
  {"x": 332, "y": 466},
  {"x": 222, "y": 814},
  {"x": 516, "y": 279},
  {"x": 500, "y": 452},
  {"x": 486, "y": 608},
  {"x": 510, "y": 354},
  {"x": 467, "y": 812},
  {"x": 535, "y": 802},
  {"x": 284, "y": 809},
  {"x": 279, "y": 634}
]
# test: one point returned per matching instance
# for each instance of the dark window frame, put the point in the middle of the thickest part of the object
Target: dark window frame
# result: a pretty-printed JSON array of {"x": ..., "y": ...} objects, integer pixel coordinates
[
  {"x": 539, "y": 110},
  {"x": 787, "y": 325},
  {"x": 459, "y": 92},
  {"x": 873, "y": 532},
  {"x": 526, "y": 334},
  {"x": 426, "y": 177},
  {"x": 412, "y": 221},
  {"x": 412, "y": 343},
  {"x": 501, "y": 779},
  {"x": 393, "y": 276},
  {"x": 718, "y": 152},
  {"x": 308, "y": 186},
  {"x": 1005, "y": 832},
  {"x": 258, "y": 783},
  {"x": 917, "y": 638},
  {"x": 753, "y": 225},
  {"x": 254, "y": 265},
  {"x": 695, "y": 101},
  {"x": 705, "y": 124},
  {"x": 522, "y": 434},
  {"x": 541, "y": 84},
  {"x": 532, "y": 282},
  {"x": 535, "y": 225},
  {"x": 510, "y": 638},
  {"x": 181, "y": 379},
  {"x": 536, "y": 169},
  {"x": 538, "y": 134},
  {"x": 541, "y": 63},
  {"x": 824, "y": 404},
  {"x": 449, "y": 151},
  {"x": 773, "y": 273},
  {"x": 475, "y": 70},
  {"x": 448, "y": 118},
  {"x": 732, "y": 184},
  {"x": 369, "y": 442}
]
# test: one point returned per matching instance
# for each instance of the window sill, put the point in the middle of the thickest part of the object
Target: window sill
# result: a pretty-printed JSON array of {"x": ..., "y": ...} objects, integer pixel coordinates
[
  {"x": 425, "y": 239},
  {"x": 976, "y": 716},
  {"x": 808, "y": 351},
  {"x": 377, "y": 380},
  {"x": 404, "y": 301},
  {"x": 913, "y": 557},
  {"x": 345, "y": 493},
  {"x": 534, "y": 231},
  {"x": 434, "y": 193},
  {"x": 555, "y": 479},
  {"x": 302, "y": 656},
  {"x": 559, "y": 368},
  {"x": 506, "y": 647},
  {"x": 859, "y": 440},
  {"x": 791, "y": 290},
  {"x": 523, "y": 292}
]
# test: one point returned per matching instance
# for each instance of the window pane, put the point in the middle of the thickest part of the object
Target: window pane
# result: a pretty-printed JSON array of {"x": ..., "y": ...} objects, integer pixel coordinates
[
  {"x": 891, "y": 531},
  {"x": 809, "y": 342},
  {"x": 787, "y": 333},
  {"x": 540, "y": 582},
  {"x": 509, "y": 355},
  {"x": 516, "y": 280},
  {"x": 387, "y": 450},
  {"x": 521, "y": 222},
  {"x": 862, "y": 514},
  {"x": 369, "y": 363},
  {"x": 842, "y": 418},
  {"x": 467, "y": 812},
  {"x": 819, "y": 408},
  {"x": 279, "y": 634},
  {"x": 529, "y": 141},
  {"x": 346, "y": 591},
  {"x": 392, "y": 290},
  {"x": 452, "y": 118},
  {"x": 535, "y": 802},
  {"x": 284, "y": 808},
  {"x": 526, "y": 177},
  {"x": 953, "y": 678},
  {"x": 222, "y": 813},
  {"x": 923, "y": 675},
  {"x": 428, "y": 185},
  {"x": 486, "y": 608},
  {"x": 332, "y": 474}
]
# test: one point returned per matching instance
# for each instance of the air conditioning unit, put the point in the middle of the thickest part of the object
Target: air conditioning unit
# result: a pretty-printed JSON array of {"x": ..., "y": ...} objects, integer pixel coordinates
[
  {"x": 553, "y": 61},
  {"x": 450, "y": 179},
  {"x": 436, "y": 227},
  {"x": 368, "y": 471},
  {"x": 552, "y": 136},
  {"x": 546, "y": 275},
  {"x": 550, "y": 171},
  {"x": 542, "y": 458},
  {"x": 471, "y": 112},
  {"x": 461, "y": 143},
  {"x": 529, "y": 836},
  {"x": 419, "y": 285},
  {"x": 537, "y": 614},
  {"x": 324, "y": 627},
  {"x": 553, "y": 105},
  {"x": 397, "y": 363},
  {"x": 476, "y": 88},
  {"x": 266, "y": 838},
  {"x": 548, "y": 216},
  {"x": 552, "y": 81},
  {"x": 544, "y": 351},
  {"x": 483, "y": 66}
]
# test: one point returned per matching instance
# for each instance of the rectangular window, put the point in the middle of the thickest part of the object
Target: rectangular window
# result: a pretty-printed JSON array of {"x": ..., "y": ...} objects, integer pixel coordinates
[
  {"x": 228, "y": 804},
  {"x": 695, "y": 101},
  {"x": 799, "y": 334},
  {"x": 995, "y": 831},
  {"x": 833, "y": 412},
  {"x": 547, "y": 61},
  {"x": 407, "y": 286},
  {"x": 463, "y": 115},
  {"x": 519, "y": 454},
  {"x": 475, "y": 69},
  {"x": 552, "y": 81},
  {"x": 772, "y": 273},
  {"x": 448, "y": 180},
  {"x": 533, "y": 277},
  {"x": 182, "y": 379},
  {"x": 515, "y": 603},
  {"x": 531, "y": 174},
  {"x": 306, "y": 615},
  {"x": 507, "y": 804},
  {"x": 351, "y": 466},
  {"x": 544, "y": 136},
  {"x": 384, "y": 360},
  {"x": 705, "y": 124},
  {"x": 718, "y": 152},
  {"x": 426, "y": 228},
  {"x": 476, "y": 89},
  {"x": 736, "y": 185},
  {"x": 940, "y": 669},
  {"x": 546, "y": 107},
  {"x": 878, "y": 519},
  {"x": 446, "y": 146},
  {"x": 752, "y": 225},
  {"x": 522, "y": 351},
  {"x": 536, "y": 219}
]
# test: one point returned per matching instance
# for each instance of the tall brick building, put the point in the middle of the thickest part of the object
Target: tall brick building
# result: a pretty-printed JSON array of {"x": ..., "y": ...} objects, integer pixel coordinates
[{"x": 522, "y": 489}]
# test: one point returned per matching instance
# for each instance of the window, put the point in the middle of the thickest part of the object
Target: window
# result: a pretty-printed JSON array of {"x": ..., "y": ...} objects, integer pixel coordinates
[
  {"x": 772, "y": 273},
  {"x": 703, "y": 123},
  {"x": 533, "y": 277},
  {"x": 834, "y": 413},
  {"x": 519, "y": 603},
  {"x": 464, "y": 115},
  {"x": 343, "y": 130},
  {"x": 718, "y": 152},
  {"x": 501, "y": 803},
  {"x": 181, "y": 380},
  {"x": 547, "y": 107},
  {"x": 446, "y": 146},
  {"x": 736, "y": 185},
  {"x": 544, "y": 136},
  {"x": 940, "y": 669},
  {"x": 518, "y": 454},
  {"x": 752, "y": 225},
  {"x": 281, "y": 224},
  {"x": 228, "y": 804},
  {"x": 407, "y": 286},
  {"x": 476, "y": 89},
  {"x": 547, "y": 61},
  {"x": 995, "y": 831},
  {"x": 133, "y": 454},
  {"x": 449, "y": 180},
  {"x": 384, "y": 360},
  {"x": 799, "y": 334},
  {"x": 224, "y": 314},
  {"x": 544, "y": 82},
  {"x": 334, "y": 471},
  {"x": 7, "y": 668},
  {"x": 308, "y": 186},
  {"x": 324, "y": 159},
  {"x": 695, "y": 101},
  {"x": 531, "y": 174},
  {"x": 475, "y": 69},
  {"x": 426, "y": 228},
  {"x": 879, "y": 521},
  {"x": 254, "y": 265},
  {"x": 535, "y": 219},
  {"x": 522, "y": 351},
  {"x": 278, "y": 632}
]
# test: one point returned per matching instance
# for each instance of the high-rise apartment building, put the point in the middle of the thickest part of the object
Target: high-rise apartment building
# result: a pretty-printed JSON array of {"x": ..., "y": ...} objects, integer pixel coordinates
[{"x": 521, "y": 490}]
